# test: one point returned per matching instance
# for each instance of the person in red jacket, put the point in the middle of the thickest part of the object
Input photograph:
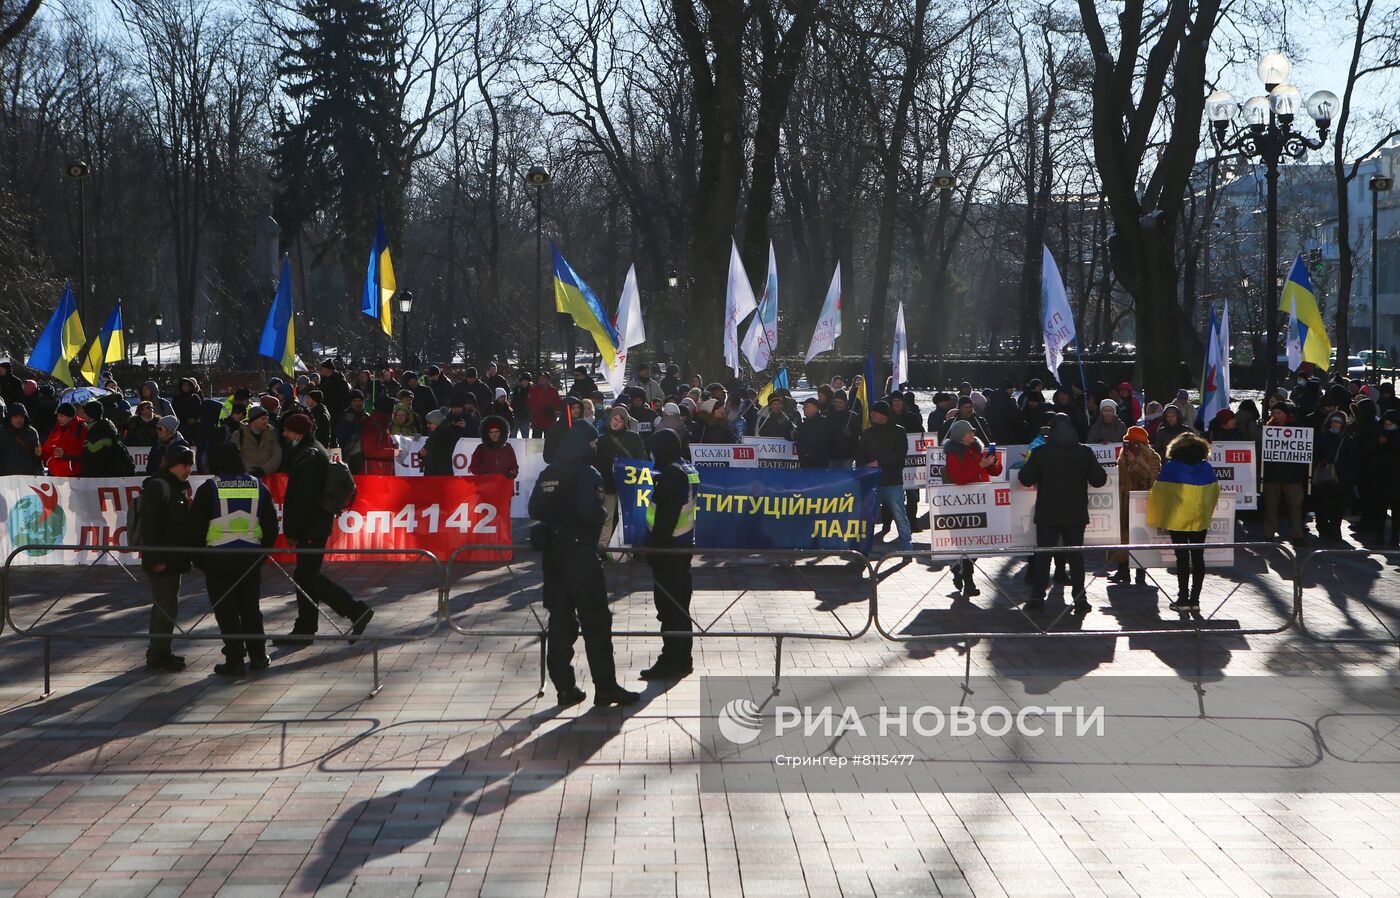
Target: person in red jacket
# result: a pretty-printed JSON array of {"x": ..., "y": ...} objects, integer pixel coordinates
[
  {"x": 63, "y": 450},
  {"x": 494, "y": 455},
  {"x": 544, "y": 403},
  {"x": 376, "y": 441},
  {"x": 966, "y": 460}
]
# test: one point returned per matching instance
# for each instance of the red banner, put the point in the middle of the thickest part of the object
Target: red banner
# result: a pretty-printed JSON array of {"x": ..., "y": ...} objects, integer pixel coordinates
[{"x": 436, "y": 514}]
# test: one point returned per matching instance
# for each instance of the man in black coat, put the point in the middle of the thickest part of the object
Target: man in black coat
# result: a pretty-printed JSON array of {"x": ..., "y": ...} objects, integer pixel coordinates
[
  {"x": 472, "y": 386},
  {"x": 1061, "y": 470},
  {"x": 813, "y": 436},
  {"x": 307, "y": 524},
  {"x": 19, "y": 443},
  {"x": 441, "y": 386},
  {"x": 568, "y": 503},
  {"x": 335, "y": 390},
  {"x": 165, "y": 523},
  {"x": 845, "y": 431},
  {"x": 1003, "y": 417},
  {"x": 885, "y": 445},
  {"x": 11, "y": 387},
  {"x": 494, "y": 379}
]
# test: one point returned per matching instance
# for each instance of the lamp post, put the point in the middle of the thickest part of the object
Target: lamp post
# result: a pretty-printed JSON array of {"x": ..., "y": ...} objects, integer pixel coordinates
[
  {"x": 405, "y": 306},
  {"x": 537, "y": 178},
  {"x": 1268, "y": 136},
  {"x": 159, "y": 320},
  {"x": 1379, "y": 185},
  {"x": 78, "y": 171}
]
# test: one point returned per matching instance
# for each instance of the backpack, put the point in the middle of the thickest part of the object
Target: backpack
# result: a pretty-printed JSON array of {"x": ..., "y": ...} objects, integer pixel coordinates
[
  {"x": 133, "y": 512},
  {"x": 338, "y": 493},
  {"x": 122, "y": 462}
]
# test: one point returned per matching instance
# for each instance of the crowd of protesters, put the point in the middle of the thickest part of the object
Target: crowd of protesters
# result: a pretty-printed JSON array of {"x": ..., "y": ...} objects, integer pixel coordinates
[{"x": 359, "y": 413}]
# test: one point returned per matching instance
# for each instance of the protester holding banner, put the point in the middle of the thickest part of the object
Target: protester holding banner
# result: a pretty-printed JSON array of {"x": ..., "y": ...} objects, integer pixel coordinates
[
  {"x": 671, "y": 525},
  {"x": 714, "y": 424},
  {"x": 619, "y": 439},
  {"x": 884, "y": 445},
  {"x": 1138, "y": 467},
  {"x": 164, "y": 523},
  {"x": 1336, "y": 464},
  {"x": 1062, "y": 470},
  {"x": 307, "y": 523},
  {"x": 1284, "y": 481},
  {"x": 966, "y": 460},
  {"x": 813, "y": 436},
  {"x": 773, "y": 421},
  {"x": 568, "y": 503},
  {"x": 1182, "y": 502}
]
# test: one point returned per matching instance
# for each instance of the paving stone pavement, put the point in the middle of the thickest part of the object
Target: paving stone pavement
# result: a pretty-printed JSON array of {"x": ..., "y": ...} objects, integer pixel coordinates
[{"x": 457, "y": 779}]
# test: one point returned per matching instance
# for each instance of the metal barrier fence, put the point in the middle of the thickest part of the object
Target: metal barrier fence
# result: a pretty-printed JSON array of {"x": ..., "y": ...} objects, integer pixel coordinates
[
  {"x": 729, "y": 560},
  {"x": 32, "y": 631},
  {"x": 1300, "y": 582},
  {"x": 787, "y": 558}
]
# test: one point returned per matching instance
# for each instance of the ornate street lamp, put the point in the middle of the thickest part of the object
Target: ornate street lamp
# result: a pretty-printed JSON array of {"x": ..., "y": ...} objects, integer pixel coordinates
[{"x": 1268, "y": 136}]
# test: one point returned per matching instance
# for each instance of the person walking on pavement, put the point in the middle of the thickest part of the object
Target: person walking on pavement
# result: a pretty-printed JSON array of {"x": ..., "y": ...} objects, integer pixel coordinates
[
  {"x": 1061, "y": 470},
  {"x": 1182, "y": 502},
  {"x": 307, "y": 524},
  {"x": 884, "y": 445},
  {"x": 966, "y": 460},
  {"x": 164, "y": 523},
  {"x": 568, "y": 503},
  {"x": 232, "y": 510},
  {"x": 671, "y": 525}
]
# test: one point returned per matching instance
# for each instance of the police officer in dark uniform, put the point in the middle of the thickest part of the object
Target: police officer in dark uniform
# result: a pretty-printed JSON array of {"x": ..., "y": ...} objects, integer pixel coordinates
[
  {"x": 671, "y": 522},
  {"x": 233, "y": 510},
  {"x": 568, "y": 503}
]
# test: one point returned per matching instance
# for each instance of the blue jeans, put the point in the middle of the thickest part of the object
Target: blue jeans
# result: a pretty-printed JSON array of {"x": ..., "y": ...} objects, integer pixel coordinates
[{"x": 892, "y": 499}]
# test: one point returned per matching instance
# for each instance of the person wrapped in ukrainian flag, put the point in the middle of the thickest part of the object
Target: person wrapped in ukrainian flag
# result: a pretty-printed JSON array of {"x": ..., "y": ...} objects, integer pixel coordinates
[{"x": 1182, "y": 502}]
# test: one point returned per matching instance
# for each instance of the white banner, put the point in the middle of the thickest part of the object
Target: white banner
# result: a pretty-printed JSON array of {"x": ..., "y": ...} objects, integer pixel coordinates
[
  {"x": 1288, "y": 443},
  {"x": 769, "y": 452},
  {"x": 68, "y": 511},
  {"x": 1222, "y": 530},
  {"x": 1236, "y": 473},
  {"x": 529, "y": 454},
  {"x": 992, "y": 515}
]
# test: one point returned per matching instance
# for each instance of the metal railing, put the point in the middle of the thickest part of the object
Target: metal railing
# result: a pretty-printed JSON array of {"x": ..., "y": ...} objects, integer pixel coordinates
[
  {"x": 33, "y": 631},
  {"x": 733, "y": 558},
  {"x": 513, "y": 559},
  {"x": 1300, "y": 580}
]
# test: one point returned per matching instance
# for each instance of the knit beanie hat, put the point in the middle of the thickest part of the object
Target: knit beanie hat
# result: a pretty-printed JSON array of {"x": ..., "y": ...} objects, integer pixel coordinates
[{"x": 298, "y": 424}]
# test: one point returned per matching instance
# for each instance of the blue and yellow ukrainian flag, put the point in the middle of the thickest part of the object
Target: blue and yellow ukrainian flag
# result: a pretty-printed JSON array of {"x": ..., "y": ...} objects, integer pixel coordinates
[
  {"x": 573, "y": 297},
  {"x": 1311, "y": 331},
  {"x": 779, "y": 382},
  {"x": 110, "y": 346},
  {"x": 279, "y": 334},
  {"x": 379, "y": 281},
  {"x": 1183, "y": 498},
  {"x": 61, "y": 340},
  {"x": 866, "y": 393}
]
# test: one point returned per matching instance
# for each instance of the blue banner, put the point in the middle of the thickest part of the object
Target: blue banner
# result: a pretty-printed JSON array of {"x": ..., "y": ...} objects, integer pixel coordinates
[{"x": 762, "y": 508}]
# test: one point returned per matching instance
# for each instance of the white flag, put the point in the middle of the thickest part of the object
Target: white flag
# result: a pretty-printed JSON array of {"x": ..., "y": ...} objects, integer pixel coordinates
[
  {"x": 1055, "y": 314},
  {"x": 900, "y": 353},
  {"x": 829, "y": 324},
  {"x": 630, "y": 331},
  {"x": 738, "y": 303},
  {"x": 1295, "y": 337},
  {"x": 762, "y": 334},
  {"x": 1225, "y": 354}
]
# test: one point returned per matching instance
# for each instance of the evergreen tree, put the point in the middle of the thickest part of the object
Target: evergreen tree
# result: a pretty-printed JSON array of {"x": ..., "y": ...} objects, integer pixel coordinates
[{"x": 339, "y": 158}]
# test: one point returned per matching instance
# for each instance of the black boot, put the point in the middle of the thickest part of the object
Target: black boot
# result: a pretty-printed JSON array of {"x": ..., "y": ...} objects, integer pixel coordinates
[
  {"x": 1121, "y": 575},
  {"x": 1141, "y": 576},
  {"x": 969, "y": 588}
]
